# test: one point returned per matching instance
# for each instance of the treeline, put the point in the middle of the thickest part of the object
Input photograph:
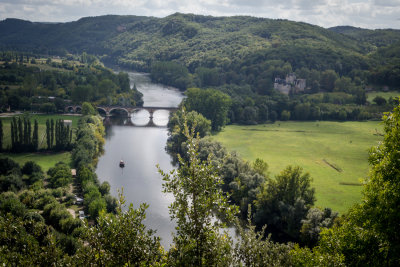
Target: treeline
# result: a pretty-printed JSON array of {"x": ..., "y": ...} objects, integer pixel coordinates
[
  {"x": 25, "y": 138},
  {"x": 47, "y": 86},
  {"x": 237, "y": 105},
  {"x": 58, "y": 136},
  {"x": 88, "y": 147},
  {"x": 22, "y": 137}
]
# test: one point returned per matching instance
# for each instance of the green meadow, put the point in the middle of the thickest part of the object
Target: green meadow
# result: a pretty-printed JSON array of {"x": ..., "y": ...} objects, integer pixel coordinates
[
  {"x": 44, "y": 159},
  {"x": 334, "y": 153},
  {"x": 385, "y": 95}
]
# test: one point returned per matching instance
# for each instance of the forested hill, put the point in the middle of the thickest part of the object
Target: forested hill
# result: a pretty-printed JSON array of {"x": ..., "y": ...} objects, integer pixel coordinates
[
  {"x": 195, "y": 41},
  {"x": 370, "y": 39}
]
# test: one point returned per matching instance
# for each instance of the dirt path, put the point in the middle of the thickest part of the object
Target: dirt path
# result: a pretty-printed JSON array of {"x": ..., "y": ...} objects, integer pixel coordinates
[{"x": 72, "y": 212}]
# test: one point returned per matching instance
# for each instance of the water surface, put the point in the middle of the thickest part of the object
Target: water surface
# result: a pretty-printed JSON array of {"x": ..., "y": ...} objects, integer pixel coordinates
[{"x": 142, "y": 148}]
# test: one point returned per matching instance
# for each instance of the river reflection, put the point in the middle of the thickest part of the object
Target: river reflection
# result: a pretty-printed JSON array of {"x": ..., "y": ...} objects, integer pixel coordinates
[{"x": 142, "y": 148}]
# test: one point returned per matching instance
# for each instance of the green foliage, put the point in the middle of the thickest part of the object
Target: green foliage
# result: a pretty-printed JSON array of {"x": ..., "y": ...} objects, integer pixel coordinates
[
  {"x": 104, "y": 188},
  {"x": 89, "y": 141},
  {"x": 170, "y": 73},
  {"x": 198, "y": 197},
  {"x": 304, "y": 256},
  {"x": 26, "y": 242},
  {"x": 21, "y": 134},
  {"x": 45, "y": 87},
  {"x": 315, "y": 221},
  {"x": 88, "y": 109},
  {"x": 97, "y": 204},
  {"x": 241, "y": 181},
  {"x": 212, "y": 104},
  {"x": 379, "y": 100},
  {"x": 60, "y": 175},
  {"x": 284, "y": 202},
  {"x": 285, "y": 115},
  {"x": 120, "y": 239},
  {"x": 31, "y": 167},
  {"x": 253, "y": 249},
  {"x": 9, "y": 203},
  {"x": 176, "y": 124},
  {"x": 261, "y": 167},
  {"x": 8, "y": 165}
]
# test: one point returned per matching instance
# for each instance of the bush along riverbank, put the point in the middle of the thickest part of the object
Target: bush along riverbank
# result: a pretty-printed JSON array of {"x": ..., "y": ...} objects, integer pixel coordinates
[{"x": 88, "y": 147}]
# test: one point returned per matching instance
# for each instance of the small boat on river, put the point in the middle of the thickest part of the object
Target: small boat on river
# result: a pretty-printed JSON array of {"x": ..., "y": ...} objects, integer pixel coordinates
[{"x": 121, "y": 164}]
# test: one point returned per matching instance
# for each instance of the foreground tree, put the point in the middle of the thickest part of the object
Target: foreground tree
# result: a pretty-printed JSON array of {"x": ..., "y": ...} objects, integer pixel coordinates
[
  {"x": 370, "y": 234},
  {"x": 284, "y": 202},
  {"x": 253, "y": 249},
  {"x": 198, "y": 198},
  {"x": 120, "y": 240}
]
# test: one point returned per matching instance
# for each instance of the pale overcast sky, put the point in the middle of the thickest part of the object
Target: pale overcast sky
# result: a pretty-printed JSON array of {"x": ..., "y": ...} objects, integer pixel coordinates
[{"x": 370, "y": 14}]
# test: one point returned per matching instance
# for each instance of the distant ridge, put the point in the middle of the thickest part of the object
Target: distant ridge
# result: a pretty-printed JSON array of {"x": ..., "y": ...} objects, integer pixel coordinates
[{"x": 196, "y": 40}]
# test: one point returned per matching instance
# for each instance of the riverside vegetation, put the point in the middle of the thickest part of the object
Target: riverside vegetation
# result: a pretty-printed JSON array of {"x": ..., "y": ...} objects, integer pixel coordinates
[{"x": 118, "y": 238}]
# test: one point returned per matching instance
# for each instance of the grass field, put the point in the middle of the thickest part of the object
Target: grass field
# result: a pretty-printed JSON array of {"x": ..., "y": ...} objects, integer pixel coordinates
[
  {"x": 45, "y": 160},
  {"x": 386, "y": 95},
  {"x": 334, "y": 153}
]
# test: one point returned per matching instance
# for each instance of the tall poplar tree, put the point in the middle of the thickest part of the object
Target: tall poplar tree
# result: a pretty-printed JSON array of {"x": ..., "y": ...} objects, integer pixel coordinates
[
  {"x": 51, "y": 133},
  {"x": 57, "y": 134},
  {"x": 1, "y": 135},
  {"x": 25, "y": 138},
  {"x": 13, "y": 135},
  {"x": 20, "y": 132},
  {"x": 35, "y": 137},
  {"x": 48, "y": 139},
  {"x": 29, "y": 138}
]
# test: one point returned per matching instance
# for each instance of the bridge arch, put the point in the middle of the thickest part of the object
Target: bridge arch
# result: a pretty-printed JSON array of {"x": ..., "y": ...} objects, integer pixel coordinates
[
  {"x": 102, "y": 111},
  {"x": 70, "y": 109},
  {"x": 119, "y": 109}
]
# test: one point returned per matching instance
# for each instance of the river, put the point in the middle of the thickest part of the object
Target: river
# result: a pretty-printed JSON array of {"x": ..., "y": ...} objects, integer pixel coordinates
[{"x": 142, "y": 148}]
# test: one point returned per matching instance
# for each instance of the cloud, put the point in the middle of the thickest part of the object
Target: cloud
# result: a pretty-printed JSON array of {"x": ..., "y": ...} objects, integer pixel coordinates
[{"x": 325, "y": 13}]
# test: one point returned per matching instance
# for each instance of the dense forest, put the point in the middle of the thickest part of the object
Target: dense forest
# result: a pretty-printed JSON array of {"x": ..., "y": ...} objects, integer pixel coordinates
[
  {"x": 33, "y": 83},
  {"x": 240, "y": 56}
]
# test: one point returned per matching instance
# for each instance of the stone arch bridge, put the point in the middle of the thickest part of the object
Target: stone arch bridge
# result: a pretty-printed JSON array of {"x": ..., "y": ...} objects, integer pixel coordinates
[{"x": 129, "y": 110}]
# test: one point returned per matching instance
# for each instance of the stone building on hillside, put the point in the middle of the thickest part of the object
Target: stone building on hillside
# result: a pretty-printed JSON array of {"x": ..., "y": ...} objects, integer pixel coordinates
[{"x": 290, "y": 84}]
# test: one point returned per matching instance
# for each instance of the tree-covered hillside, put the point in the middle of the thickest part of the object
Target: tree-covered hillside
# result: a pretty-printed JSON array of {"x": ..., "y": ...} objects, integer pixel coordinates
[
  {"x": 195, "y": 40},
  {"x": 240, "y": 56}
]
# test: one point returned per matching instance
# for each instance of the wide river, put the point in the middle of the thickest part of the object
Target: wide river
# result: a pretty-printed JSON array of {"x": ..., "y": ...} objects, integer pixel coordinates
[{"x": 142, "y": 148}]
